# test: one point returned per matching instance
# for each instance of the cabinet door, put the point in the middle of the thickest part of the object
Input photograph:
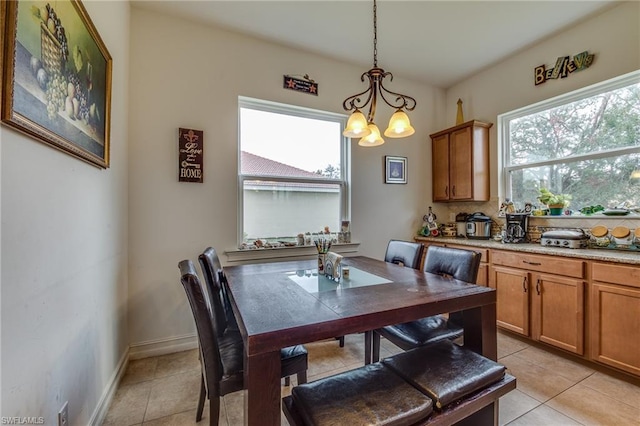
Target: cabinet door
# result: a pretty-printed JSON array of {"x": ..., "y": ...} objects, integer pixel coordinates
[
  {"x": 512, "y": 293},
  {"x": 440, "y": 162},
  {"x": 461, "y": 164},
  {"x": 483, "y": 275},
  {"x": 615, "y": 326},
  {"x": 557, "y": 316}
]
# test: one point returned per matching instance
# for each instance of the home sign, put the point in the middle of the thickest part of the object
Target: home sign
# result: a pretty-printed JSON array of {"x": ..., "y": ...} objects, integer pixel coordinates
[
  {"x": 564, "y": 66},
  {"x": 190, "y": 159}
]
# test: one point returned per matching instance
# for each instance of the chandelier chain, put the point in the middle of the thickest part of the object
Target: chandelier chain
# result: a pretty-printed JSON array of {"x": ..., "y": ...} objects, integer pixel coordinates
[
  {"x": 375, "y": 34},
  {"x": 364, "y": 127}
]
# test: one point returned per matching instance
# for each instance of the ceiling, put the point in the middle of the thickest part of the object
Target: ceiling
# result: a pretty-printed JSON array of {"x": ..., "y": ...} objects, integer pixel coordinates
[{"x": 435, "y": 42}]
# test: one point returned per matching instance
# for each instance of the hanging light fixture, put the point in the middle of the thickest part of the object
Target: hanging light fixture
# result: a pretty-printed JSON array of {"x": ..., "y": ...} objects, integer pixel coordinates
[{"x": 365, "y": 128}]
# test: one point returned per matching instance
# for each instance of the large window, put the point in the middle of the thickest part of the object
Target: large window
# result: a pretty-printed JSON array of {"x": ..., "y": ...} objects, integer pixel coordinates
[
  {"x": 293, "y": 171},
  {"x": 585, "y": 144}
]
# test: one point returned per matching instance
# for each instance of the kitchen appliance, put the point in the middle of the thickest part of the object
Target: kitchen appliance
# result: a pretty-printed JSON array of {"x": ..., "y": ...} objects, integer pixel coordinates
[
  {"x": 516, "y": 228},
  {"x": 575, "y": 239},
  {"x": 461, "y": 225},
  {"x": 479, "y": 226}
]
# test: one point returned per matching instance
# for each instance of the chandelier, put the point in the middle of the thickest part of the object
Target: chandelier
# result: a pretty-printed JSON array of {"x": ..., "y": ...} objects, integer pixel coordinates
[{"x": 365, "y": 128}]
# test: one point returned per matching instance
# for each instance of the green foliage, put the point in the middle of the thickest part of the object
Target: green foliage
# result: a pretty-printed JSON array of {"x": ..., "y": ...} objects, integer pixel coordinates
[
  {"x": 551, "y": 199},
  {"x": 597, "y": 124},
  {"x": 330, "y": 171}
]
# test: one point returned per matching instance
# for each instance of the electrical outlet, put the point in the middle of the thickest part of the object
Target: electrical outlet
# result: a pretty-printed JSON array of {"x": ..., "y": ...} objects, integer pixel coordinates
[{"x": 63, "y": 415}]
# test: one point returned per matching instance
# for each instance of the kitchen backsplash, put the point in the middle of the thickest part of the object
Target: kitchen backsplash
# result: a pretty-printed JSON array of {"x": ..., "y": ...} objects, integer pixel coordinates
[{"x": 490, "y": 208}]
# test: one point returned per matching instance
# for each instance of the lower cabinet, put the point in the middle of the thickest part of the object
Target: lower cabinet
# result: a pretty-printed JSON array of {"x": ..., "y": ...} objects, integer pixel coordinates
[
  {"x": 590, "y": 308},
  {"x": 557, "y": 315},
  {"x": 548, "y": 307},
  {"x": 614, "y": 327},
  {"x": 512, "y": 293}
]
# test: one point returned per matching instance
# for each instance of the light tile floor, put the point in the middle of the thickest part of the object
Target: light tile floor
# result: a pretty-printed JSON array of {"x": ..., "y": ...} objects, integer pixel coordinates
[{"x": 551, "y": 390}]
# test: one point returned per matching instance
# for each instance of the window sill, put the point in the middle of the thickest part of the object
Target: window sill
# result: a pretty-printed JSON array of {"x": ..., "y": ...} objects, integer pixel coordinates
[{"x": 285, "y": 252}]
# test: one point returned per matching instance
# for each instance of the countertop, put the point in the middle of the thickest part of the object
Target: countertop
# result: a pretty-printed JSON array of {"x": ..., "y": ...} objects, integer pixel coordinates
[{"x": 605, "y": 255}]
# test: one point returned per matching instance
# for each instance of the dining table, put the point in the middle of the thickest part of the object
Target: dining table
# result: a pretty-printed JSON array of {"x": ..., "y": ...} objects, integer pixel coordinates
[{"x": 287, "y": 303}]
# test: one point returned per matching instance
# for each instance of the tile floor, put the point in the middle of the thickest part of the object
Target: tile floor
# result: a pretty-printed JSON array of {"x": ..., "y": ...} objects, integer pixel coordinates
[{"x": 552, "y": 390}]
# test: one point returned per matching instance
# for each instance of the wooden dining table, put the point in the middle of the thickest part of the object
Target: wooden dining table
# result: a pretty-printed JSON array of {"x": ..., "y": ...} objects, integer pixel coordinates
[{"x": 287, "y": 303}]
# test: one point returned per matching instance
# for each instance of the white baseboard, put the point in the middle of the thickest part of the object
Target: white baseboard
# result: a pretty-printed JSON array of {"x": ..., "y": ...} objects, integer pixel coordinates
[
  {"x": 137, "y": 351},
  {"x": 163, "y": 346},
  {"x": 101, "y": 410}
]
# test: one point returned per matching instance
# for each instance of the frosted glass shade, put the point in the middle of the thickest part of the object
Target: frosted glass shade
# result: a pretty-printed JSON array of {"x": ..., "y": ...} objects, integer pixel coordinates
[
  {"x": 357, "y": 126},
  {"x": 399, "y": 126},
  {"x": 373, "y": 138}
]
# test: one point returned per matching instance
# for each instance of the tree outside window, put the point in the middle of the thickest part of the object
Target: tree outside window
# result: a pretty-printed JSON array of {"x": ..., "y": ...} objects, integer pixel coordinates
[{"x": 585, "y": 143}]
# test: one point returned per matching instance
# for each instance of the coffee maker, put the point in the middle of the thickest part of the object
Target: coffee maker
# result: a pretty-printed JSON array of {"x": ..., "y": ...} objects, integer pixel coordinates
[{"x": 516, "y": 228}]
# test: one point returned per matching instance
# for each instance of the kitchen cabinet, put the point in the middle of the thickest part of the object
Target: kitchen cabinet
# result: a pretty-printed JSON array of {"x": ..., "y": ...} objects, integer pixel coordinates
[
  {"x": 460, "y": 162},
  {"x": 614, "y": 327},
  {"x": 541, "y": 297}
]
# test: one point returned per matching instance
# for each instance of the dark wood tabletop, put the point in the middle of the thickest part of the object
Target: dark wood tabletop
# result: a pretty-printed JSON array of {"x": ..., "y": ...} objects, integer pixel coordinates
[{"x": 274, "y": 311}]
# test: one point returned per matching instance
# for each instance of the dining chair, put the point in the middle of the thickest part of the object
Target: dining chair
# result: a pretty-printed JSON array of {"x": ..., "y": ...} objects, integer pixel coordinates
[
  {"x": 294, "y": 358},
  {"x": 458, "y": 264},
  {"x": 404, "y": 253},
  {"x": 215, "y": 278},
  {"x": 222, "y": 351}
]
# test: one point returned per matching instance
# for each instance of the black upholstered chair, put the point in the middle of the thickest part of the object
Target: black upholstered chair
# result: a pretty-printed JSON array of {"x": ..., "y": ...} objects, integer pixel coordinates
[
  {"x": 456, "y": 263},
  {"x": 404, "y": 253},
  {"x": 215, "y": 279},
  {"x": 222, "y": 348},
  {"x": 294, "y": 358}
]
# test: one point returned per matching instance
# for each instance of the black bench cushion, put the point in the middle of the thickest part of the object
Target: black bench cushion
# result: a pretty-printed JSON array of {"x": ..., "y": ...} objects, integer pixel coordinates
[
  {"x": 371, "y": 395},
  {"x": 445, "y": 371}
]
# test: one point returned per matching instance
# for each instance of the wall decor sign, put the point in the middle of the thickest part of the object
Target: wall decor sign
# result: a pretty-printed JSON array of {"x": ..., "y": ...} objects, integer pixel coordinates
[
  {"x": 564, "y": 66},
  {"x": 395, "y": 169},
  {"x": 305, "y": 84},
  {"x": 190, "y": 158},
  {"x": 56, "y": 84}
]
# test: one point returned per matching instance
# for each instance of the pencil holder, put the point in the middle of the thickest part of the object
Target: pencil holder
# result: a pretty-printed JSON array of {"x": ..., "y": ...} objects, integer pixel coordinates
[{"x": 321, "y": 260}]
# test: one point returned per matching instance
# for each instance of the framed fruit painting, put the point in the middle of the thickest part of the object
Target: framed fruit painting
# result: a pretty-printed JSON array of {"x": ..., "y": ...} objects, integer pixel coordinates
[{"x": 57, "y": 78}]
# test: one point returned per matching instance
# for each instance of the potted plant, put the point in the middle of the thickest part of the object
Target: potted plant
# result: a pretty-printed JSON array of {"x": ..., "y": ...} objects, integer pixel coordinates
[{"x": 555, "y": 202}]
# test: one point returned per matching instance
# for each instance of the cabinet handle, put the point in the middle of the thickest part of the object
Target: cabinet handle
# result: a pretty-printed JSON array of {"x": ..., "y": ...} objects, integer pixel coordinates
[
  {"x": 453, "y": 190},
  {"x": 524, "y": 284},
  {"x": 446, "y": 190},
  {"x": 532, "y": 263},
  {"x": 538, "y": 286}
]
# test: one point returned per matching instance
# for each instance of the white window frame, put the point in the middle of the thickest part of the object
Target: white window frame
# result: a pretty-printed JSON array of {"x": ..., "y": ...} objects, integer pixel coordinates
[
  {"x": 345, "y": 156},
  {"x": 504, "y": 143}
]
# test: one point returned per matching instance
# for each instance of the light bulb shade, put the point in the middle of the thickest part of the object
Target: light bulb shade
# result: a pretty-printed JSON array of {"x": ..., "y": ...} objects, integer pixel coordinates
[
  {"x": 399, "y": 126},
  {"x": 373, "y": 138},
  {"x": 357, "y": 126}
]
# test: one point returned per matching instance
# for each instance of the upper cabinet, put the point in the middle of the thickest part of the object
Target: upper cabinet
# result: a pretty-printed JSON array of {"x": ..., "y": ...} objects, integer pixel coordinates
[{"x": 461, "y": 162}]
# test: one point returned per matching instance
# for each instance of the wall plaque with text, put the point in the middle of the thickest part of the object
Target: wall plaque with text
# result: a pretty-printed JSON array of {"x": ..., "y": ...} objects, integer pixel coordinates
[{"x": 190, "y": 158}]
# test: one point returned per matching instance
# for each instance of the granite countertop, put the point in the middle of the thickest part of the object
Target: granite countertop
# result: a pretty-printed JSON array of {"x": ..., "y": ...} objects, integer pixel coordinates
[{"x": 606, "y": 255}]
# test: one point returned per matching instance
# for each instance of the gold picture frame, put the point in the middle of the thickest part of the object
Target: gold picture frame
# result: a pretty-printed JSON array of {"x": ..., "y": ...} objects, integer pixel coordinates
[{"x": 56, "y": 84}]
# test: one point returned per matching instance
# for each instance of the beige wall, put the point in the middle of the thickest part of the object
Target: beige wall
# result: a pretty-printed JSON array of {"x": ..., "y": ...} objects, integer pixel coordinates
[
  {"x": 613, "y": 36},
  {"x": 82, "y": 247},
  {"x": 188, "y": 75},
  {"x": 64, "y": 263}
]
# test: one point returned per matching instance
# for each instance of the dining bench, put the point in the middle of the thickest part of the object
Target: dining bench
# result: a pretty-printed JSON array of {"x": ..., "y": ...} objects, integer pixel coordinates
[{"x": 459, "y": 386}]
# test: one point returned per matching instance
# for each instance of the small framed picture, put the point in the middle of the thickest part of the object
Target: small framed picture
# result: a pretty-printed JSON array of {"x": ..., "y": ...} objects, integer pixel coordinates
[{"x": 395, "y": 169}]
